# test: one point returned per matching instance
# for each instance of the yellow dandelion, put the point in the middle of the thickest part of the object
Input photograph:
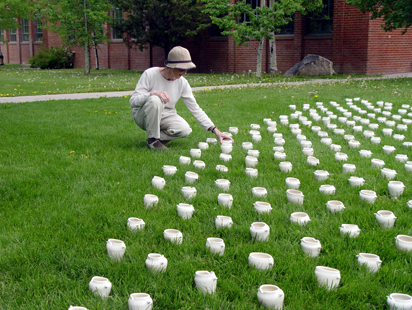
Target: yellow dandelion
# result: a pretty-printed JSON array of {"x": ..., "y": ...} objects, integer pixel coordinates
[
  {"x": 316, "y": 96},
  {"x": 71, "y": 152}
]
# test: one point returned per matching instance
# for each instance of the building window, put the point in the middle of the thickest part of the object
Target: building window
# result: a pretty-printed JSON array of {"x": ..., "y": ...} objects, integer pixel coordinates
[
  {"x": 24, "y": 30},
  {"x": 116, "y": 15},
  {"x": 12, "y": 35},
  {"x": 322, "y": 22},
  {"x": 288, "y": 28},
  {"x": 253, "y": 5},
  {"x": 215, "y": 31},
  {"x": 1, "y": 35},
  {"x": 38, "y": 29}
]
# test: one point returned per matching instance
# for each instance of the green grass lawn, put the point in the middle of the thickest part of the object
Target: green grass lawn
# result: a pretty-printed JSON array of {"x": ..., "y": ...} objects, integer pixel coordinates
[
  {"x": 28, "y": 82},
  {"x": 73, "y": 172}
]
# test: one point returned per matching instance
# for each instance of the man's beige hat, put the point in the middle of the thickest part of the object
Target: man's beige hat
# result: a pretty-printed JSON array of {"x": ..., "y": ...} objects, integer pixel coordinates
[{"x": 179, "y": 58}]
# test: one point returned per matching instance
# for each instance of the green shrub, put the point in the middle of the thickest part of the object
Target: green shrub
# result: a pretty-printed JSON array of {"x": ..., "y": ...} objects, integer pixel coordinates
[{"x": 53, "y": 58}]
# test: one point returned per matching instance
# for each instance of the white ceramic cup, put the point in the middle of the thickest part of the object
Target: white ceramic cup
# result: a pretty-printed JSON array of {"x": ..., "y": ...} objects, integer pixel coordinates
[
  {"x": 351, "y": 229},
  {"x": 191, "y": 177},
  {"x": 328, "y": 277},
  {"x": 140, "y": 301},
  {"x": 252, "y": 172},
  {"x": 199, "y": 164},
  {"x": 225, "y": 200},
  {"x": 247, "y": 145},
  {"x": 183, "y": 160},
  {"x": 203, "y": 145},
  {"x": 223, "y": 221},
  {"x": 173, "y": 235},
  {"x": 271, "y": 296},
  {"x": 223, "y": 184},
  {"x": 158, "y": 182},
  {"x": 261, "y": 260},
  {"x": 100, "y": 286},
  {"x": 216, "y": 245},
  {"x": 185, "y": 210},
  {"x": 169, "y": 170},
  {"x": 195, "y": 153},
  {"x": 294, "y": 196},
  {"x": 222, "y": 168},
  {"x": 150, "y": 200},
  {"x": 189, "y": 192},
  {"x": 135, "y": 223}
]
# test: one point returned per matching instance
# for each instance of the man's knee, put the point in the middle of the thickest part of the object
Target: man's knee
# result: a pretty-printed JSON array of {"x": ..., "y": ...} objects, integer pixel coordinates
[
  {"x": 182, "y": 131},
  {"x": 154, "y": 103},
  {"x": 186, "y": 130}
]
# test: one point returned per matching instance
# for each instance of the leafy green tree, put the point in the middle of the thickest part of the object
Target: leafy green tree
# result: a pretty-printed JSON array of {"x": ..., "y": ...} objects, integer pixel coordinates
[
  {"x": 11, "y": 11},
  {"x": 162, "y": 23},
  {"x": 245, "y": 23},
  {"x": 79, "y": 22},
  {"x": 395, "y": 13}
]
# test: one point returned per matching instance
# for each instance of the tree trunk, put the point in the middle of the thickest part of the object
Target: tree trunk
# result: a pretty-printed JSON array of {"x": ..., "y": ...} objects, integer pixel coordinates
[
  {"x": 87, "y": 43},
  {"x": 259, "y": 59},
  {"x": 87, "y": 58},
  {"x": 260, "y": 50},
  {"x": 96, "y": 55},
  {"x": 273, "y": 60}
]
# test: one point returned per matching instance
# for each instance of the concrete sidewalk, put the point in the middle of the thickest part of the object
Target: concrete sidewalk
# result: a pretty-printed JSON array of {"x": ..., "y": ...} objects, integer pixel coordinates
[{"x": 78, "y": 96}]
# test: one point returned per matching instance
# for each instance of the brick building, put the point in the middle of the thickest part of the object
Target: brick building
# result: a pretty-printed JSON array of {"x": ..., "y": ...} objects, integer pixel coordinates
[{"x": 355, "y": 44}]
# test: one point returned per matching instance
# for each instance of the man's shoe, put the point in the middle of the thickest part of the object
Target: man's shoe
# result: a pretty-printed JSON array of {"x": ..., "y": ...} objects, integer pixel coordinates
[{"x": 157, "y": 145}]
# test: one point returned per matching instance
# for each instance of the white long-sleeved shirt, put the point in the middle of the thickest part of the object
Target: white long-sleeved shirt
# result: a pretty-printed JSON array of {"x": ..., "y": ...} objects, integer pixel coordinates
[{"x": 151, "y": 79}]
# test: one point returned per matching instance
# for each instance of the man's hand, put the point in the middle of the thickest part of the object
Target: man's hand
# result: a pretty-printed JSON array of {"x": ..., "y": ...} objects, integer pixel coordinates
[
  {"x": 222, "y": 136},
  {"x": 161, "y": 94}
]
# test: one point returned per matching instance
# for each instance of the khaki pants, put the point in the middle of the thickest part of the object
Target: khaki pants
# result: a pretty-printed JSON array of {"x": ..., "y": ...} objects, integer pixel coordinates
[{"x": 168, "y": 127}]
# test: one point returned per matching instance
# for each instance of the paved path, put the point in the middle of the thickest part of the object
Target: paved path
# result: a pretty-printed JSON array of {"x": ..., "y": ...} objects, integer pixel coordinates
[{"x": 78, "y": 96}]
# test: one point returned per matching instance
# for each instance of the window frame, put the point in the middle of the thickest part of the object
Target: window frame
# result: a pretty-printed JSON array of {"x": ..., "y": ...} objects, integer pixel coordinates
[
  {"x": 244, "y": 17},
  {"x": 115, "y": 16},
  {"x": 38, "y": 30},
  {"x": 25, "y": 30},
  {"x": 323, "y": 23},
  {"x": 289, "y": 28},
  {"x": 12, "y": 35}
]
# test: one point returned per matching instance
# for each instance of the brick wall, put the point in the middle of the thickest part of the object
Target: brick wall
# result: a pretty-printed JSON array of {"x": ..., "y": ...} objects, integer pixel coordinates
[
  {"x": 389, "y": 52},
  {"x": 25, "y": 52}
]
